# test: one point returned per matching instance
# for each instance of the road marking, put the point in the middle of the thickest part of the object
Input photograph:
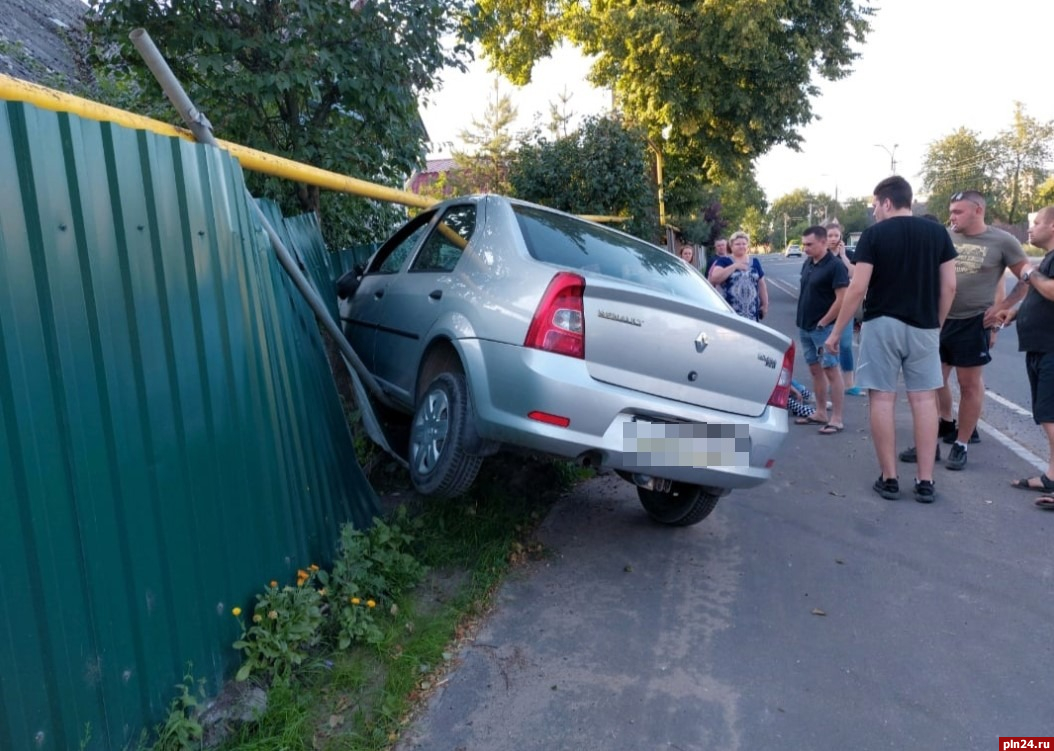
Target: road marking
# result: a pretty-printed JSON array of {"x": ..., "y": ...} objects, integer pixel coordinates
[
  {"x": 1014, "y": 446},
  {"x": 1007, "y": 403},
  {"x": 1009, "y": 443},
  {"x": 784, "y": 287}
]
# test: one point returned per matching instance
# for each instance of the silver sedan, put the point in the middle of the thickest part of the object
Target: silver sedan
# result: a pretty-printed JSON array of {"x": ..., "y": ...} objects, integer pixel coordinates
[{"x": 497, "y": 324}]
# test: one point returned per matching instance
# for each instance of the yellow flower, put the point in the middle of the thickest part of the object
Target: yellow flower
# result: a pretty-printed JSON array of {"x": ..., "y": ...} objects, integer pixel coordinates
[
  {"x": 355, "y": 600},
  {"x": 322, "y": 592},
  {"x": 273, "y": 615},
  {"x": 313, "y": 567},
  {"x": 274, "y": 584},
  {"x": 236, "y": 612},
  {"x": 371, "y": 604},
  {"x": 257, "y": 618},
  {"x": 301, "y": 577}
]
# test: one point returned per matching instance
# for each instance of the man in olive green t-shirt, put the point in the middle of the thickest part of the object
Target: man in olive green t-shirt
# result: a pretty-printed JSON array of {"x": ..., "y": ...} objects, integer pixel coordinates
[{"x": 985, "y": 253}]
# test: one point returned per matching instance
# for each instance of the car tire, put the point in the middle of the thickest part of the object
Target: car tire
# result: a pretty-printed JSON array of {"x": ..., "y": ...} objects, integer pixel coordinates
[
  {"x": 682, "y": 506},
  {"x": 439, "y": 463}
]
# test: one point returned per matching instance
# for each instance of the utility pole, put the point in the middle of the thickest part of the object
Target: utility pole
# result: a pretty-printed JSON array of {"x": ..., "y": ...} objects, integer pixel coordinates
[{"x": 892, "y": 156}]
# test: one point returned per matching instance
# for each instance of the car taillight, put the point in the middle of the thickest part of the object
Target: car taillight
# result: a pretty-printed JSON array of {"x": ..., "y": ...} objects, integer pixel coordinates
[
  {"x": 559, "y": 323},
  {"x": 783, "y": 384}
]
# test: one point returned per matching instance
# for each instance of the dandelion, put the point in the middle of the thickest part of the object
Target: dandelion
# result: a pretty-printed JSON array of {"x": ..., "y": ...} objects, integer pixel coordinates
[
  {"x": 257, "y": 618},
  {"x": 301, "y": 577},
  {"x": 236, "y": 612},
  {"x": 313, "y": 567},
  {"x": 354, "y": 600},
  {"x": 273, "y": 615},
  {"x": 323, "y": 592},
  {"x": 274, "y": 584},
  {"x": 371, "y": 604}
]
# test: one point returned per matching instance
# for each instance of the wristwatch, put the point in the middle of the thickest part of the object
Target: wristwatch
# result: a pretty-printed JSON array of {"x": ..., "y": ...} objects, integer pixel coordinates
[{"x": 1025, "y": 276}]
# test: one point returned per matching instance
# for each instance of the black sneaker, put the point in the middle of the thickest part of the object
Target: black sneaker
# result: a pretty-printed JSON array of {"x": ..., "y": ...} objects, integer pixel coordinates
[
  {"x": 956, "y": 457},
  {"x": 910, "y": 456},
  {"x": 975, "y": 437},
  {"x": 887, "y": 488},
  {"x": 924, "y": 492},
  {"x": 947, "y": 430}
]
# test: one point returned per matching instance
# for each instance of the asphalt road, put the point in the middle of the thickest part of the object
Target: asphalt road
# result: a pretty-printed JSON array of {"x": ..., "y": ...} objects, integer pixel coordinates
[{"x": 807, "y": 613}]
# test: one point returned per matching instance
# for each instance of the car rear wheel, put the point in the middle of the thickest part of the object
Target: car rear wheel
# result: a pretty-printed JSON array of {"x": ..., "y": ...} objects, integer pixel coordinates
[
  {"x": 681, "y": 506},
  {"x": 439, "y": 464}
]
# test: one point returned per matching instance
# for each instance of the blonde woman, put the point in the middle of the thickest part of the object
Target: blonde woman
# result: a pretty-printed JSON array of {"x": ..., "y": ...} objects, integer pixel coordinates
[{"x": 740, "y": 278}]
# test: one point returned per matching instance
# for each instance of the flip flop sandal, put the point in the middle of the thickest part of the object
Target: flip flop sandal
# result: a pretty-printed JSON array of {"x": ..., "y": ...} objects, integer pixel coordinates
[
  {"x": 1046, "y": 484},
  {"x": 1046, "y": 503},
  {"x": 811, "y": 420},
  {"x": 830, "y": 429}
]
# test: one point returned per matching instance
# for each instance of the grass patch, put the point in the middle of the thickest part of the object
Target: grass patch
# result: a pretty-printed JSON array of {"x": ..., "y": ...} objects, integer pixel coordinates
[{"x": 358, "y": 699}]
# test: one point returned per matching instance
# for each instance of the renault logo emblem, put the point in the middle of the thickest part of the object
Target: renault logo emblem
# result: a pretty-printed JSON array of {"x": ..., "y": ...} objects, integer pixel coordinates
[{"x": 701, "y": 341}]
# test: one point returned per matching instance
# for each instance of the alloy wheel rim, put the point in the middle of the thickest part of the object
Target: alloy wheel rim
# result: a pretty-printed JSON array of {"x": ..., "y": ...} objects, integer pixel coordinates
[{"x": 431, "y": 429}]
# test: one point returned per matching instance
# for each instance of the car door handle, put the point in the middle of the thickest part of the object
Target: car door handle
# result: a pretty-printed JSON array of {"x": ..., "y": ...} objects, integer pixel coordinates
[
  {"x": 436, "y": 294},
  {"x": 378, "y": 294}
]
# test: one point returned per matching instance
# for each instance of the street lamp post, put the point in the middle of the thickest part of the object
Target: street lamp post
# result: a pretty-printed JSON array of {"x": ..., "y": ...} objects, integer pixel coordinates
[{"x": 892, "y": 156}]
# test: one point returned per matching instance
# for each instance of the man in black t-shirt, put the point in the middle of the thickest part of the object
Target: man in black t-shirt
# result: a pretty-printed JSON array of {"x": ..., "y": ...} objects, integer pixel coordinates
[
  {"x": 906, "y": 267},
  {"x": 823, "y": 282},
  {"x": 1035, "y": 335}
]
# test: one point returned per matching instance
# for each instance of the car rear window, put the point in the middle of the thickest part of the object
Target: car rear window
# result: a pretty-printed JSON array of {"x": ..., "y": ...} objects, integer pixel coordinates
[{"x": 580, "y": 245}]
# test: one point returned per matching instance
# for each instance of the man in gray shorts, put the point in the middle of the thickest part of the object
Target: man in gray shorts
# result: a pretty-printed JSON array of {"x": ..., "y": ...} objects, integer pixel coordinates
[
  {"x": 985, "y": 253},
  {"x": 906, "y": 267}
]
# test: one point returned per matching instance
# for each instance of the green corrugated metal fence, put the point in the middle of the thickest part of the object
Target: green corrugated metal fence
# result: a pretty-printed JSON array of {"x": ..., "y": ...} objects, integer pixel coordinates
[{"x": 171, "y": 437}]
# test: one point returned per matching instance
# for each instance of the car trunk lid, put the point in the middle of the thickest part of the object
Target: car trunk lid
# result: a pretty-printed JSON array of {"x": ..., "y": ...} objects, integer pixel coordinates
[{"x": 650, "y": 342}]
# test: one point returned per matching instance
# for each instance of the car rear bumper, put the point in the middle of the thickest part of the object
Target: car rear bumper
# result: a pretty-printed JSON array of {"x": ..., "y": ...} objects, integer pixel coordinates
[{"x": 616, "y": 427}]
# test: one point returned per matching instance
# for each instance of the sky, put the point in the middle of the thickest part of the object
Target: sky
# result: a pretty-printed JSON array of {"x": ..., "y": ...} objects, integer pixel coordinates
[{"x": 927, "y": 68}]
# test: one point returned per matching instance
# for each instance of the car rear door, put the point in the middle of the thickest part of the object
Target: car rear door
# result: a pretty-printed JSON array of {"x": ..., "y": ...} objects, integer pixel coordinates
[
  {"x": 365, "y": 310},
  {"x": 419, "y": 296}
]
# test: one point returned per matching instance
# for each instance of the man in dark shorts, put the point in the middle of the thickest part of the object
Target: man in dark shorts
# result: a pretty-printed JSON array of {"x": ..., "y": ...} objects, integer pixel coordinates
[
  {"x": 823, "y": 283},
  {"x": 1035, "y": 335},
  {"x": 906, "y": 266},
  {"x": 985, "y": 253}
]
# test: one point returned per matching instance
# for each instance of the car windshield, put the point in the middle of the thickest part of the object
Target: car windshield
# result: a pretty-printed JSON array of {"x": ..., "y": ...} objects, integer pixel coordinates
[{"x": 576, "y": 244}]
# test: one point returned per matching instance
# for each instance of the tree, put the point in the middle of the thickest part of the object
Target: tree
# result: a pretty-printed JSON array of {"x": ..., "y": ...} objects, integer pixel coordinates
[
  {"x": 331, "y": 83},
  {"x": 960, "y": 161},
  {"x": 794, "y": 212},
  {"x": 732, "y": 78},
  {"x": 601, "y": 168},
  {"x": 485, "y": 168},
  {"x": 560, "y": 114},
  {"x": 855, "y": 216},
  {"x": 1023, "y": 152}
]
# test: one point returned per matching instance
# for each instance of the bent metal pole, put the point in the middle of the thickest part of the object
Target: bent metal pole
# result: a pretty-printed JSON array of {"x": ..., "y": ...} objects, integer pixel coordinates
[{"x": 202, "y": 130}]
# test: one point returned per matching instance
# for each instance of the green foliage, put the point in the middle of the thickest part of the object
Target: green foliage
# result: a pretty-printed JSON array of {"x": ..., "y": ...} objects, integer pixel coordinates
[
  {"x": 960, "y": 161},
  {"x": 602, "y": 168},
  {"x": 181, "y": 730},
  {"x": 1024, "y": 151},
  {"x": 330, "y": 83},
  {"x": 285, "y": 625},
  {"x": 1008, "y": 169},
  {"x": 1044, "y": 195},
  {"x": 794, "y": 212},
  {"x": 855, "y": 216},
  {"x": 372, "y": 569},
  {"x": 733, "y": 78},
  {"x": 485, "y": 167},
  {"x": 358, "y": 698}
]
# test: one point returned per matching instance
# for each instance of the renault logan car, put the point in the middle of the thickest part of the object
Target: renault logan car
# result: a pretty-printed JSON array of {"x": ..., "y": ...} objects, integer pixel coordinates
[{"x": 498, "y": 324}]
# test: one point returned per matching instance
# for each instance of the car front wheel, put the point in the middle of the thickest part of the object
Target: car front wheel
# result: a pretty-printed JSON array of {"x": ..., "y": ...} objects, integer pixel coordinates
[
  {"x": 681, "y": 506},
  {"x": 439, "y": 464}
]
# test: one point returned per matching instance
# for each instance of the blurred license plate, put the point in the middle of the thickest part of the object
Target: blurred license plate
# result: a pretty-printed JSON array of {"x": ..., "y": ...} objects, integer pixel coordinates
[{"x": 659, "y": 444}]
